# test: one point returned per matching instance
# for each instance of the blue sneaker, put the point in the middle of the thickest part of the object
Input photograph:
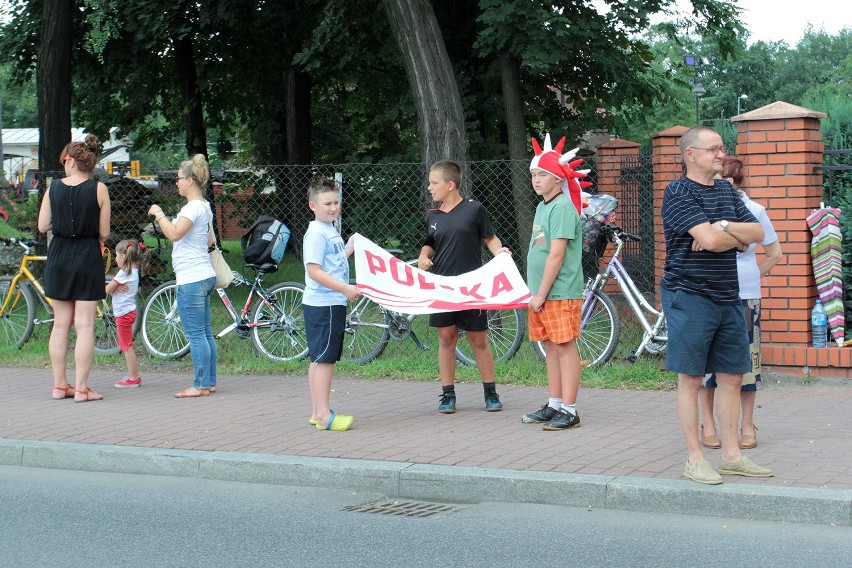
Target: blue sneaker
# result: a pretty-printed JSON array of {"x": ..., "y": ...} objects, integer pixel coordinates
[
  {"x": 448, "y": 404},
  {"x": 492, "y": 402}
]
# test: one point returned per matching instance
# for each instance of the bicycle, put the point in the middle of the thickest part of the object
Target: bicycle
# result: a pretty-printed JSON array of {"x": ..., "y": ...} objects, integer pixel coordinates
[
  {"x": 600, "y": 325},
  {"x": 18, "y": 309},
  {"x": 369, "y": 328},
  {"x": 276, "y": 324}
]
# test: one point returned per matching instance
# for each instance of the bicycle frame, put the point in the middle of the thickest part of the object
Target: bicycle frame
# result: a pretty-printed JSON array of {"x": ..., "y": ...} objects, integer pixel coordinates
[
  {"x": 240, "y": 319},
  {"x": 24, "y": 272},
  {"x": 637, "y": 301}
]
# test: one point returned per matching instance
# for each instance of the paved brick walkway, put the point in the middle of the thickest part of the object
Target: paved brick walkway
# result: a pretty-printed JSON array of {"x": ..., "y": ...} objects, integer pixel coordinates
[{"x": 805, "y": 432}]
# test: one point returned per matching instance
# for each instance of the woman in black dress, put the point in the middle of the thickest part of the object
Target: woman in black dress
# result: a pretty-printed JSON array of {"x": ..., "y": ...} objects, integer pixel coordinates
[{"x": 77, "y": 209}]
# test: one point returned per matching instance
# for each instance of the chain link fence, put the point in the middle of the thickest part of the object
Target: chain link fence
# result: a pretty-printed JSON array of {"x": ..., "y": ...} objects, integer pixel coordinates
[{"x": 386, "y": 203}]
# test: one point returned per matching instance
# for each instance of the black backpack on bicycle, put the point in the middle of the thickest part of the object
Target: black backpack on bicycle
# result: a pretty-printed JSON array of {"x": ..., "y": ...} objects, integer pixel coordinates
[{"x": 265, "y": 241}]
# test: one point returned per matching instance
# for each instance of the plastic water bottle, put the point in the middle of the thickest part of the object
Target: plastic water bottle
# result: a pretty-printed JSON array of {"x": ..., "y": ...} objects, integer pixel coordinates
[{"x": 819, "y": 325}]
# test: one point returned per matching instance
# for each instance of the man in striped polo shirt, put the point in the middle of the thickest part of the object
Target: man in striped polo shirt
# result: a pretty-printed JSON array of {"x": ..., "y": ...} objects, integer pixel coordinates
[{"x": 705, "y": 223}]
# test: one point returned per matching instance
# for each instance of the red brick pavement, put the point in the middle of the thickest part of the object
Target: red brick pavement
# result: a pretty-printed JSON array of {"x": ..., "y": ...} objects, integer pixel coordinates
[{"x": 805, "y": 431}]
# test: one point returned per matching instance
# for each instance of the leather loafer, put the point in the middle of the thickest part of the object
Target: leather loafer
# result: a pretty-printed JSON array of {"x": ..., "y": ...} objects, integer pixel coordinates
[
  {"x": 749, "y": 442},
  {"x": 711, "y": 442}
]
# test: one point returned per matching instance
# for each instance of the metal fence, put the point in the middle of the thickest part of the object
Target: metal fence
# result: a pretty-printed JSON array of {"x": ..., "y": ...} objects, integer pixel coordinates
[{"x": 387, "y": 204}]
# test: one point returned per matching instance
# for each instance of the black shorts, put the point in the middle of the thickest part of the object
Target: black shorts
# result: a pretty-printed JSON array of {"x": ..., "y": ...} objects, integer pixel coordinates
[
  {"x": 324, "y": 327},
  {"x": 466, "y": 320}
]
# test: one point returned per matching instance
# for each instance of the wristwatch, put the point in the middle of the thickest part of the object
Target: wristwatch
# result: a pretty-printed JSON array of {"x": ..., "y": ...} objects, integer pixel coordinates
[{"x": 724, "y": 224}]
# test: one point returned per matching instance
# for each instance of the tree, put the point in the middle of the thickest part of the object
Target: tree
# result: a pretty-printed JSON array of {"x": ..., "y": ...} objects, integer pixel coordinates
[
  {"x": 53, "y": 78},
  {"x": 440, "y": 116}
]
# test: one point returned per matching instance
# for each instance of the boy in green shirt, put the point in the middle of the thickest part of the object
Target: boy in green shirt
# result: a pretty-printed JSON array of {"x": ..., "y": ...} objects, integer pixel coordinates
[{"x": 555, "y": 279}]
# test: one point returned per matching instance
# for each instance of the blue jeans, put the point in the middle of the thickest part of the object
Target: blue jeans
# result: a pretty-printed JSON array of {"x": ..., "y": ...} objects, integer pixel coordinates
[{"x": 193, "y": 302}]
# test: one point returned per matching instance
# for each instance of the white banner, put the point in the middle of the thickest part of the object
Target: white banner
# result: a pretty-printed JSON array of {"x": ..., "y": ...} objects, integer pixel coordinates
[{"x": 403, "y": 288}]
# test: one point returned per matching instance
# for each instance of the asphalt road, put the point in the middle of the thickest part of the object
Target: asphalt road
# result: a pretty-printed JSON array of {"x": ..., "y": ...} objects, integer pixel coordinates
[{"x": 58, "y": 518}]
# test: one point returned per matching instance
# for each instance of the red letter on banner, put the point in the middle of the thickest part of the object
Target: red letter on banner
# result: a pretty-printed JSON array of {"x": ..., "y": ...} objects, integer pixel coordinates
[
  {"x": 421, "y": 279},
  {"x": 472, "y": 291},
  {"x": 395, "y": 264},
  {"x": 501, "y": 284},
  {"x": 376, "y": 263}
]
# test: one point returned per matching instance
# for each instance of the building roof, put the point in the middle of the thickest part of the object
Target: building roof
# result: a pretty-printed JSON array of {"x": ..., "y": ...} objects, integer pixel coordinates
[{"x": 30, "y": 135}]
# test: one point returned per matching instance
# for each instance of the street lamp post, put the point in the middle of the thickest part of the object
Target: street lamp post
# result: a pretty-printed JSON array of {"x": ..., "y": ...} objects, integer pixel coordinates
[
  {"x": 699, "y": 92},
  {"x": 741, "y": 98},
  {"x": 697, "y": 88}
]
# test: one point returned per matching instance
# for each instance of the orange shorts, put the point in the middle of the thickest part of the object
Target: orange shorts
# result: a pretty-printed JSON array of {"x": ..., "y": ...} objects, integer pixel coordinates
[{"x": 558, "y": 321}]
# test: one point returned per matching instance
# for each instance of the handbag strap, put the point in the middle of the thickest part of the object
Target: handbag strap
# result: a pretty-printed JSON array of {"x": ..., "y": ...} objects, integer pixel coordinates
[{"x": 211, "y": 248}]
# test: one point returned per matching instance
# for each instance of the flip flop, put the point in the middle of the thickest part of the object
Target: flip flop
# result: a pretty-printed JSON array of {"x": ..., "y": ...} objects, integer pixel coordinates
[
  {"x": 312, "y": 421},
  {"x": 88, "y": 393},
  {"x": 337, "y": 422},
  {"x": 187, "y": 394},
  {"x": 67, "y": 392}
]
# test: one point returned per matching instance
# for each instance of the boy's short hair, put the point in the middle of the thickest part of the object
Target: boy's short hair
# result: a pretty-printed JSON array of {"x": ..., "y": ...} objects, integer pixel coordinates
[
  {"x": 449, "y": 170},
  {"x": 320, "y": 185}
]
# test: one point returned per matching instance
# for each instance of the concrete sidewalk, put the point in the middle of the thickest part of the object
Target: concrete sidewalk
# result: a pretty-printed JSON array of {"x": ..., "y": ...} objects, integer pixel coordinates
[{"x": 628, "y": 454}]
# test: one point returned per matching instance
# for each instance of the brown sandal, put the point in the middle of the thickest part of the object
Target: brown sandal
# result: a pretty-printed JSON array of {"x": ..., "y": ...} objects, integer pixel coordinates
[
  {"x": 749, "y": 442},
  {"x": 187, "y": 394},
  {"x": 711, "y": 441},
  {"x": 67, "y": 392},
  {"x": 88, "y": 393}
]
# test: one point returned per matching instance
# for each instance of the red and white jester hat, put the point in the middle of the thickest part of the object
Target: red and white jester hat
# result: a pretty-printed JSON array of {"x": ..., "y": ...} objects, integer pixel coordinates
[{"x": 561, "y": 166}]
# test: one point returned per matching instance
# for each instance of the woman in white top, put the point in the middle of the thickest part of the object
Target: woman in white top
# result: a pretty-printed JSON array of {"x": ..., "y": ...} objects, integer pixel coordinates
[
  {"x": 196, "y": 279},
  {"x": 749, "y": 271}
]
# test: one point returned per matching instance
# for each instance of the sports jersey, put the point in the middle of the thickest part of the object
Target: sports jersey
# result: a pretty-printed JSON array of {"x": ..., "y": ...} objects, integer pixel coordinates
[
  {"x": 686, "y": 204},
  {"x": 456, "y": 237}
]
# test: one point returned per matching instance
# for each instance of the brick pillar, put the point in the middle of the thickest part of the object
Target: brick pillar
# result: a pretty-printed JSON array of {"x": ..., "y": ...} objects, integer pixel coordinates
[
  {"x": 668, "y": 166},
  {"x": 781, "y": 145}
]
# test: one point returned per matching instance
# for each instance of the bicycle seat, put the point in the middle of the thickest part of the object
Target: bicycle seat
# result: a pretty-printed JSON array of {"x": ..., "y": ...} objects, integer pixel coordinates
[{"x": 266, "y": 267}]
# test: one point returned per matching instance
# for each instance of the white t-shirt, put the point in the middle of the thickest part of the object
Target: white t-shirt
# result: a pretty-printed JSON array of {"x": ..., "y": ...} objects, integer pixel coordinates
[
  {"x": 125, "y": 302},
  {"x": 190, "y": 258},
  {"x": 747, "y": 268},
  {"x": 323, "y": 245}
]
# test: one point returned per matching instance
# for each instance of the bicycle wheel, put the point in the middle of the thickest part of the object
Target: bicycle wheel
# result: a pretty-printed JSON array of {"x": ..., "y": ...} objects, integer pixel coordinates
[
  {"x": 162, "y": 333},
  {"x": 18, "y": 317},
  {"x": 599, "y": 337},
  {"x": 506, "y": 330},
  {"x": 106, "y": 331},
  {"x": 367, "y": 331},
  {"x": 279, "y": 330}
]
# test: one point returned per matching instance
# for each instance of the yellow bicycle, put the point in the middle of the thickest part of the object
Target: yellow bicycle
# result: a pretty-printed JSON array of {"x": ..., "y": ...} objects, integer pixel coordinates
[{"x": 18, "y": 294}]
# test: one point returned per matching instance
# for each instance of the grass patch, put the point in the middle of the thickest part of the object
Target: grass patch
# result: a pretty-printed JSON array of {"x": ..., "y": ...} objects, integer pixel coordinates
[{"x": 401, "y": 360}]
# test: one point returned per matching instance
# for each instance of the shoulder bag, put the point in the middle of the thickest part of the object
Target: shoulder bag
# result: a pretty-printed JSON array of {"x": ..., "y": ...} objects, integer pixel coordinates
[{"x": 224, "y": 274}]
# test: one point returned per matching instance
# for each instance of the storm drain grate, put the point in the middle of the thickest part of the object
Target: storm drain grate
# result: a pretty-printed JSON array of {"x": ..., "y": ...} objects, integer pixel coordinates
[{"x": 403, "y": 508}]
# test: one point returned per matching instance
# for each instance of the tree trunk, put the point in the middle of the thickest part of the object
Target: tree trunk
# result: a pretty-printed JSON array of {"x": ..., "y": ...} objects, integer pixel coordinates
[
  {"x": 53, "y": 82},
  {"x": 190, "y": 92},
  {"x": 523, "y": 197},
  {"x": 298, "y": 117},
  {"x": 440, "y": 116}
]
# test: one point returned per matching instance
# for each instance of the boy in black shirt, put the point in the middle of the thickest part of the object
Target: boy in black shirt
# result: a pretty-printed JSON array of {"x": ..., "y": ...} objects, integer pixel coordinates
[{"x": 455, "y": 230}]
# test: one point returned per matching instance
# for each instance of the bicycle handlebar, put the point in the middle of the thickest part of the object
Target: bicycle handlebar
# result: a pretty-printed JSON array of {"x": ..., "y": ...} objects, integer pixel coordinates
[
  {"x": 25, "y": 243},
  {"x": 615, "y": 230}
]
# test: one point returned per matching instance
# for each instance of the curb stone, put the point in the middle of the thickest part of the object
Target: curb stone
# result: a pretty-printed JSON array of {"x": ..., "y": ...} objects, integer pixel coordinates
[{"x": 447, "y": 483}]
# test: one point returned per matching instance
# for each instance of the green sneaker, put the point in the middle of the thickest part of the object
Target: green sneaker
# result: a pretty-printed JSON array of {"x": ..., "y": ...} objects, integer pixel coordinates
[{"x": 744, "y": 467}]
